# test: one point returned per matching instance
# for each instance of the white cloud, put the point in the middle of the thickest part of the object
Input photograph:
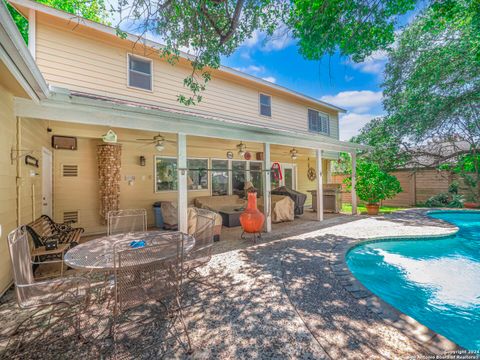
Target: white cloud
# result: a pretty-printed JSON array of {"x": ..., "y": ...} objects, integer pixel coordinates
[
  {"x": 280, "y": 39},
  {"x": 252, "y": 69},
  {"x": 362, "y": 106},
  {"x": 358, "y": 101},
  {"x": 374, "y": 64},
  {"x": 270, "y": 79},
  {"x": 351, "y": 123}
]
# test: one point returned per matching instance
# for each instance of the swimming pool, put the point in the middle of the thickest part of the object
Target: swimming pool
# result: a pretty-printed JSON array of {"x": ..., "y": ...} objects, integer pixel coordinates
[{"x": 436, "y": 281}]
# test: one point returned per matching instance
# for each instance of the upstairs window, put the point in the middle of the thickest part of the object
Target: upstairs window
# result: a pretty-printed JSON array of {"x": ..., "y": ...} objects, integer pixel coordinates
[
  {"x": 317, "y": 122},
  {"x": 139, "y": 72},
  {"x": 265, "y": 105}
]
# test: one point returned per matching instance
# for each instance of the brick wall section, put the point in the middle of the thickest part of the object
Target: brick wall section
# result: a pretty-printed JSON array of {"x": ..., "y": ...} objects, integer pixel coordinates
[{"x": 417, "y": 186}]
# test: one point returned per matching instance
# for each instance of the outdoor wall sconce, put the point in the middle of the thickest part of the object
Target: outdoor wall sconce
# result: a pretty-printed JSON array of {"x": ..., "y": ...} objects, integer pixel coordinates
[{"x": 142, "y": 160}]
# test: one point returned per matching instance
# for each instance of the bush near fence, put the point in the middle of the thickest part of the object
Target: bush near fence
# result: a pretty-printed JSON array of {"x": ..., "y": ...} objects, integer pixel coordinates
[{"x": 417, "y": 186}]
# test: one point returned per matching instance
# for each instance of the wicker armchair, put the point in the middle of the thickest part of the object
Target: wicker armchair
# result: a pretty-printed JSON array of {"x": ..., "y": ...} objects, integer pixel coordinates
[
  {"x": 149, "y": 272},
  {"x": 126, "y": 221},
  {"x": 61, "y": 299}
]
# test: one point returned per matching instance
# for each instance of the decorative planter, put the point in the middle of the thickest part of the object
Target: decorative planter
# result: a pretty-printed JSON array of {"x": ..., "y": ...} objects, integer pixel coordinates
[
  {"x": 252, "y": 219},
  {"x": 471, "y": 205},
  {"x": 372, "y": 209}
]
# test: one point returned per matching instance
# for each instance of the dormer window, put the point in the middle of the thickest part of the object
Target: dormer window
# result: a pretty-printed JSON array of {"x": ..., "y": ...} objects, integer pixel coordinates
[
  {"x": 318, "y": 122},
  {"x": 139, "y": 72},
  {"x": 265, "y": 105}
]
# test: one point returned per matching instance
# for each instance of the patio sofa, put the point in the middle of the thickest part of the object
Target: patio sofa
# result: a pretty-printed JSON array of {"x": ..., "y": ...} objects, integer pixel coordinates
[{"x": 170, "y": 218}]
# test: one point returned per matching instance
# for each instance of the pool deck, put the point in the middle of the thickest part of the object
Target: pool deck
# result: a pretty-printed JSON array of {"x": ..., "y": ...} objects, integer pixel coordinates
[{"x": 293, "y": 296}]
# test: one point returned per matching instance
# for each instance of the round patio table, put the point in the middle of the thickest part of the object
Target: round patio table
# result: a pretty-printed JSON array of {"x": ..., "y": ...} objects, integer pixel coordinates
[{"x": 98, "y": 254}]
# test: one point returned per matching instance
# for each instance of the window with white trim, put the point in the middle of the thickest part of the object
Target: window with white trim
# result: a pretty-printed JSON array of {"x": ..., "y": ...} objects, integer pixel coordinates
[
  {"x": 265, "y": 105},
  {"x": 197, "y": 174},
  {"x": 165, "y": 174},
  {"x": 139, "y": 72},
  {"x": 318, "y": 122}
]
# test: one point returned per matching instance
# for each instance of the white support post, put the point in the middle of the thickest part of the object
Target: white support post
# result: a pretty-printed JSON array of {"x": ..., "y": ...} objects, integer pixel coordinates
[
  {"x": 32, "y": 32},
  {"x": 182, "y": 182},
  {"x": 354, "y": 182},
  {"x": 267, "y": 188},
  {"x": 319, "y": 167}
]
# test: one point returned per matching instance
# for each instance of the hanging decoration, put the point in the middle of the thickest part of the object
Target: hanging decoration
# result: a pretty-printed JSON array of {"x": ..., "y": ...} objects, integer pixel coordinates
[
  {"x": 277, "y": 171},
  {"x": 311, "y": 173},
  {"x": 109, "y": 164}
]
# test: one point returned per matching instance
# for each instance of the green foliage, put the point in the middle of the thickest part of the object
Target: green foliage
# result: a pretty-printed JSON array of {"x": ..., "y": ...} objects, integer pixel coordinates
[
  {"x": 372, "y": 184},
  {"x": 94, "y": 10},
  {"x": 449, "y": 199},
  {"x": 343, "y": 165},
  {"x": 354, "y": 27},
  {"x": 386, "y": 143},
  {"x": 19, "y": 20},
  {"x": 439, "y": 200}
]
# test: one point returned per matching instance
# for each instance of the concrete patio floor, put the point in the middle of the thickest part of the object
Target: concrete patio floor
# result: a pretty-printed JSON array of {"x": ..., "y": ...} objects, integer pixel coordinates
[{"x": 292, "y": 297}]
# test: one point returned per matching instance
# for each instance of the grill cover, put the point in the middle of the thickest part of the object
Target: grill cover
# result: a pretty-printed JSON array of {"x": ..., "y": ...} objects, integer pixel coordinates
[{"x": 296, "y": 196}]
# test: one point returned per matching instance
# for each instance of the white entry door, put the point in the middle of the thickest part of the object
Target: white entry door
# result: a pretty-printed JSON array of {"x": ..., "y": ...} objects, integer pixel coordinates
[
  {"x": 289, "y": 177},
  {"x": 47, "y": 176}
]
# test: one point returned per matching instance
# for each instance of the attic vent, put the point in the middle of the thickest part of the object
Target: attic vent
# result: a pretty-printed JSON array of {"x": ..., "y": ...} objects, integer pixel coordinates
[
  {"x": 70, "y": 170},
  {"x": 70, "y": 216}
]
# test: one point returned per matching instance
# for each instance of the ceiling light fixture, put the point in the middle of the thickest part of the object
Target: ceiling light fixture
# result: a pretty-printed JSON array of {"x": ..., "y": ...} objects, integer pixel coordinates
[
  {"x": 159, "y": 146},
  {"x": 294, "y": 154},
  {"x": 241, "y": 149}
]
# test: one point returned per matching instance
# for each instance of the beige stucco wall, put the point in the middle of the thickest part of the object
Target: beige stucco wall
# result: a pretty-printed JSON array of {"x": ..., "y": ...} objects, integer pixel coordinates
[
  {"x": 31, "y": 136},
  {"x": 75, "y": 57},
  {"x": 81, "y": 193},
  {"x": 8, "y": 201}
]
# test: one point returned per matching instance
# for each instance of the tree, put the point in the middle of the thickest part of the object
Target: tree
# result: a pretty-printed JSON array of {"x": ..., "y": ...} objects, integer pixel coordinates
[
  {"x": 94, "y": 10},
  {"x": 210, "y": 29},
  {"x": 432, "y": 90}
]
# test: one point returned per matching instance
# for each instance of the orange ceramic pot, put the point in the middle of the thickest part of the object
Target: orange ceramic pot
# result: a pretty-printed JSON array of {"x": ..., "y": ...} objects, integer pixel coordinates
[
  {"x": 252, "y": 219},
  {"x": 372, "y": 209}
]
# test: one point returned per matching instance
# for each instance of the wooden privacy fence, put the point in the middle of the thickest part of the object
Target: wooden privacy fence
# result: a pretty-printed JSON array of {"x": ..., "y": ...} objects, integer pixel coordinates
[{"x": 417, "y": 186}]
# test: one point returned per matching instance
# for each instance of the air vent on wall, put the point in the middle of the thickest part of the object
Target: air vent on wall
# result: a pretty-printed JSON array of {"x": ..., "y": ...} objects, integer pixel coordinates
[
  {"x": 70, "y": 216},
  {"x": 70, "y": 170}
]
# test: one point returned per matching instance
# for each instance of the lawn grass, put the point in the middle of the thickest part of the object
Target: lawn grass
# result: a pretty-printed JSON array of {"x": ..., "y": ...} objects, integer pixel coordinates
[{"x": 347, "y": 209}]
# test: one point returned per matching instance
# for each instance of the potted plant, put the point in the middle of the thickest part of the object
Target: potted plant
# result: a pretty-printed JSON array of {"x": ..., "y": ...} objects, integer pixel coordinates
[{"x": 373, "y": 185}]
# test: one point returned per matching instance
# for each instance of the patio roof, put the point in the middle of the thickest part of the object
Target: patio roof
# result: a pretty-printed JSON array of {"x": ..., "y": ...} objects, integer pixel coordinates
[{"x": 70, "y": 106}]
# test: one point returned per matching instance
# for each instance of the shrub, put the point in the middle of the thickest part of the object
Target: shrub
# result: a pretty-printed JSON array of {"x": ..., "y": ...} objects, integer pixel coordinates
[{"x": 374, "y": 185}]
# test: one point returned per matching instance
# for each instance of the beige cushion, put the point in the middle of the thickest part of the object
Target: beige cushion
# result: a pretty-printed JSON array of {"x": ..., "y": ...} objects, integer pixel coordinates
[
  {"x": 216, "y": 203},
  {"x": 283, "y": 208}
]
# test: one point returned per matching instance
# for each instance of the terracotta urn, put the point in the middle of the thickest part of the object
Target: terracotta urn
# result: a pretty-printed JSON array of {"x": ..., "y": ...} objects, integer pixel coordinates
[
  {"x": 252, "y": 219},
  {"x": 372, "y": 209}
]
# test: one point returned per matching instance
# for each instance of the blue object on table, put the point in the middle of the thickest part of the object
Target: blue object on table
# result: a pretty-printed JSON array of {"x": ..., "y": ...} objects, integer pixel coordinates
[{"x": 137, "y": 244}]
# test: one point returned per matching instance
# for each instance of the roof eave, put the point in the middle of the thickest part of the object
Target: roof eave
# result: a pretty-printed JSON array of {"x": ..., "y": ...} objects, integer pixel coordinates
[{"x": 14, "y": 53}]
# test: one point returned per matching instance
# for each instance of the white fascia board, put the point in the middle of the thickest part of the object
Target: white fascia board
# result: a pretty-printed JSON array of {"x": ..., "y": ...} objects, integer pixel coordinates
[
  {"x": 16, "y": 56},
  {"x": 135, "y": 38},
  {"x": 61, "y": 107}
]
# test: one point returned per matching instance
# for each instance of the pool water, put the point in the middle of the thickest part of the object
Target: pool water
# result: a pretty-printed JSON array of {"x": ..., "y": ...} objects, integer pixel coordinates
[{"x": 436, "y": 281}]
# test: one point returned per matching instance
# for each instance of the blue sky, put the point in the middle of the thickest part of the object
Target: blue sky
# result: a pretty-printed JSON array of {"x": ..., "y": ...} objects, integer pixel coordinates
[{"x": 355, "y": 87}]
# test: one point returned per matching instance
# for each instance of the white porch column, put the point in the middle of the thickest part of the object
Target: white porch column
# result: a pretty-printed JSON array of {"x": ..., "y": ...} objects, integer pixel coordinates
[
  {"x": 267, "y": 187},
  {"x": 182, "y": 182},
  {"x": 32, "y": 30},
  {"x": 354, "y": 182},
  {"x": 319, "y": 167}
]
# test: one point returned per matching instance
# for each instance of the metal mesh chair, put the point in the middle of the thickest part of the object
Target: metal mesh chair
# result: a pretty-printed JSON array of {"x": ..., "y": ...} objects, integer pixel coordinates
[
  {"x": 64, "y": 297},
  {"x": 126, "y": 221},
  {"x": 202, "y": 229},
  {"x": 149, "y": 270}
]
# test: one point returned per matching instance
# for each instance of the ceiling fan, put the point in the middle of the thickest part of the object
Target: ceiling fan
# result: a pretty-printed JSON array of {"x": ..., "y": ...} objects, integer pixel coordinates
[
  {"x": 158, "y": 140},
  {"x": 293, "y": 153}
]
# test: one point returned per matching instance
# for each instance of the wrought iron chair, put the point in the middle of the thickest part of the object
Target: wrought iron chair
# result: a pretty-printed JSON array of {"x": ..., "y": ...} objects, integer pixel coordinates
[
  {"x": 202, "y": 228},
  {"x": 49, "y": 302},
  {"x": 126, "y": 221},
  {"x": 148, "y": 274}
]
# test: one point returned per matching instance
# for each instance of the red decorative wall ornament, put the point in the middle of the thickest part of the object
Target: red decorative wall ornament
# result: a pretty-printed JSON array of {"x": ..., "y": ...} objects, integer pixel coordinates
[
  {"x": 277, "y": 171},
  {"x": 247, "y": 156},
  {"x": 252, "y": 219}
]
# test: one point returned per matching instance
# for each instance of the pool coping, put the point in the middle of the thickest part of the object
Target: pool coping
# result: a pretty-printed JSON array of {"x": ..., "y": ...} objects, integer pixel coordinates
[{"x": 434, "y": 342}]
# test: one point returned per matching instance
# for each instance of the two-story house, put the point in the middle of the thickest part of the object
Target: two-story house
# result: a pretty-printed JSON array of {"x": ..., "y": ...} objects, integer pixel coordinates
[{"x": 78, "y": 81}]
